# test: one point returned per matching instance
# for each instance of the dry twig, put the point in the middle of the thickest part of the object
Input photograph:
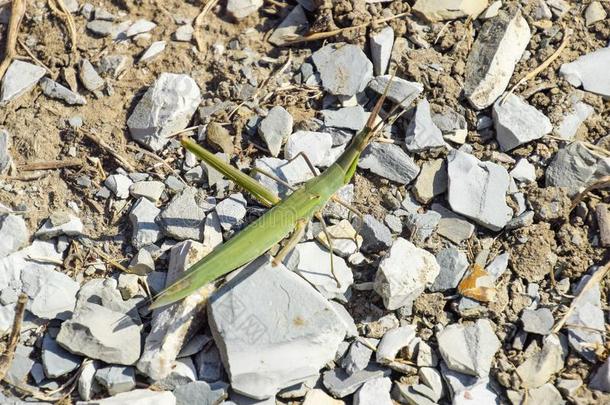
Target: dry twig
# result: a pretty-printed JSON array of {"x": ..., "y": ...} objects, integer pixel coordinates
[
  {"x": 17, "y": 13},
  {"x": 102, "y": 144},
  {"x": 59, "y": 8},
  {"x": 6, "y": 358},
  {"x": 50, "y": 165},
  {"x": 601, "y": 183},
  {"x": 198, "y": 23}
]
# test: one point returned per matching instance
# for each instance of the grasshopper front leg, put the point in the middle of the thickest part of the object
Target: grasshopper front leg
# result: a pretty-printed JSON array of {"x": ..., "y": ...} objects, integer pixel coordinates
[{"x": 295, "y": 238}]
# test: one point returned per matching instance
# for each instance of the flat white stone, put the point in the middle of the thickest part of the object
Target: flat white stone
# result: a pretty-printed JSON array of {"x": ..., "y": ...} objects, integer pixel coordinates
[
  {"x": 440, "y": 10},
  {"x": 589, "y": 71},
  {"x": 315, "y": 145},
  {"x": 19, "y": 78},
  {"x": 273, "y": 340},
  {"x": 381, "y": 45},
  {"x": 478, "y": 190},
  {"x": 344, "y": 69},
  {"x": 404, "y": 273}
]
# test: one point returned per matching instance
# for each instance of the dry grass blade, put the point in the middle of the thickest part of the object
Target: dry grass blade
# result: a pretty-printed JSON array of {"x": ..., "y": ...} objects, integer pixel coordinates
[
  {"x": 17, "y": 13},
  {"x": 6, "y": 358},
  {"x": 597, "y": 277},
  {"x": 601, "y": 183},
  {"x": 543, "y": 65},
  {"x": 102, "y": 144},
  {"x": 59, "y": 8},
  {"x": 198, "y": 23},
  {"x": 316, "y": 36}
]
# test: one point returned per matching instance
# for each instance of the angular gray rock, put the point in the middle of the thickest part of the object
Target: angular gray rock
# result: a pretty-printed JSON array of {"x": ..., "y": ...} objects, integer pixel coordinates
[
  {"x": 422, "y": 225},
  {"x": 56, "y": 360},
  {"x": 140, "y": 26},
  {"x": 275, "y": 129},
  {"x": 537, "y": 369},
  {"x": 313, "y": 265},
  {"x": 539, "y": 321},
  {"x": 422, "y": 133},
  {"x": 136, "y": 397},
  {"x": 55, "y": 90},
  {"x": 517, "y": 122},
  {"x": 166, "y": 107},
  {"x": 400, "y": 91},
  {"x": 315, "y": 145},
  {"x": 601, "y": 379},
  {"x": 453, "y": 264},
  {"x": 184, "y": 217},
  {"x": 292, "y": 26},
  {"x": 499, "y": 45},
  {"x": 60, "y": 223},
  {"x": 594, "y": 13},
  {"x": 5, "y": 156},
  {"x": 469, "y": 349},
  {"x": 431, "y": 181},
  {"x": 116, "y": 379},
  {"x": 200, "y": 393},
  {"x": 145, "y": 230},
  {"x": 340, "y": 384},
  {"x": 119, "y": 185},
  {"x": 586, "y": 321},
  {"x": 173, "y": 325},
  {"x": 100, "y": 333},
  {"x": 153, "y": 50},
  {"x": 240, "y": 9},
  {"x": 478, "y": 190},
  {"x": 589, "y": 72},
  {"x": 389, "y": 161},
  {"x": 344, "y": 69},
  {"x": 19, "y": 78},
  {"x": 184, "y": 33},
  {"x": 231, "y": 210},
  {"x": 440, "y": 10},
  {"x": 571, "y": 122},
  {"x": 357, "y": 357},
  {"x": 348, "y": 117},
  {"x": 149, "y": 189},
  {"x": 273, "y": 341},
  {"x": 376, "y": 236},
  {"x": 374, "y": 392},
  {"x": 381, "y": 45},
  {"x": 404, "y": 273},
  {"x": 576, "y": 167},
  {"x": 52, "y": 293},
  {"x": 392, "y": 343},
  {"x": 21, "y": 365},
  {"x": 89, "y": 76},
  {"x": 14, "y": 234},
  {"x": 524, "y": 171}
]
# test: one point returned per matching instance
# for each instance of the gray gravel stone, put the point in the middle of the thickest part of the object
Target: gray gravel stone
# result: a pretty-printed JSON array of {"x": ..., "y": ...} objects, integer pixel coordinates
[
  {"x": 119, "y": 185},
  {"x": 517, "y": 122},
  {"x": 56, "y": 360},
  {"x": 588, "y": 321},
  {"x": 114, "y": 65},
  {"x": 261, "y": 349},
  {"x": 89, "y": 76},
  {"x": 538, "y": 368},
  {"x": 389, "y": 161},
  {"x": 348, "y": 117},
  {"x": 275, "y": 129},
  {"x": 478, "y": 190},
  {"x": 52, "y": 293},
  {"x": 153, "y": 50},
  {"x": 184, "y": 33},
  {"x": 576, "y": 167},
  {"x": 294, "y": 24},
  {"x": 116, "y": 379},
  {"x": 149, "y": 189},
  {"x": 60, "y": 223},
  {"x": 5, "y": 156},
  {"x": 166, "y": 107},
  {"x": 145, "y": 230},
  {"x": 422, "y": 225},
  {"x": 404, "y": 273},
  {"x": 440, "y": 10},
  {"x": 136, "y": 397},
  {"x": 340, "y": 384},
  {"x": 469, "y": 349},
  {"x": 571, "y": 122},
  {"x": 381, "y": 45},
  {"x": 595, "y": 13},
  {"x": 55, "y": 90},
  {"x": 524, "y": 171},
  {"x": 231, "y": 210},
  {"x": 392, "y": 343},
  {"x": 315, "y": 145},
  {"x": 357, "y": 357},
  {"x": 100, "y": 333},
  {"x": 539, "y": 321},
  {"x": 200, "y": 393},
  {"x": 499, "y": 45},
  {"x": 432, "y": 180},
  {"x": 601, "y": 379},
  {"x": 374, "y": 392},
  {"x": 453, "y": 264},
  {"x": 589, "y": 72},
  {"x": 140, "y": 26},
  {"x": 184, "y": 217},
  {"x": 240, "y": 9},
  {"x": 14, "y": 234},
  {"x": 400, "y": 91},
  {"x": 19, "y": 78},
  {"x": 20, "y": 366},
  {"x": 422, "y": 133},
  {"x": 376, "y": 236},
  {"x": 344, "y": 68}
]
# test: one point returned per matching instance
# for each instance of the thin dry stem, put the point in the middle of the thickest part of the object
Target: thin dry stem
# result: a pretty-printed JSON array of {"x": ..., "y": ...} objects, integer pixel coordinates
[
  {"x": 102, "y": 144},
  {"x": 6, "y": 358},
  {"x": 601, "y": 183},
  {"x": 198, "y": 23},
  {"x": 59, "y": 8},
  {"x": 50, "y": 165},
  {"x": 17, "y": 13}
]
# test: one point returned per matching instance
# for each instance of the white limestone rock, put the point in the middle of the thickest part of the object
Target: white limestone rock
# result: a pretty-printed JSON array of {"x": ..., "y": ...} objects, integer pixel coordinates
[
  {"x": 19, "y": 78},
  {"x": 590, "y": 72},
  {"x": 275, "y": 340},
  {"x": 478, "y": 190},
  {"x": 404, "y": 273},
  {"x": 344, "y": 69}
]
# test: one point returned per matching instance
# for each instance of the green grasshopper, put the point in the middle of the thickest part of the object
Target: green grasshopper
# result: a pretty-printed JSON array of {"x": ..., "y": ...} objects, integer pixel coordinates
[{"x": 287, "y": 216}]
